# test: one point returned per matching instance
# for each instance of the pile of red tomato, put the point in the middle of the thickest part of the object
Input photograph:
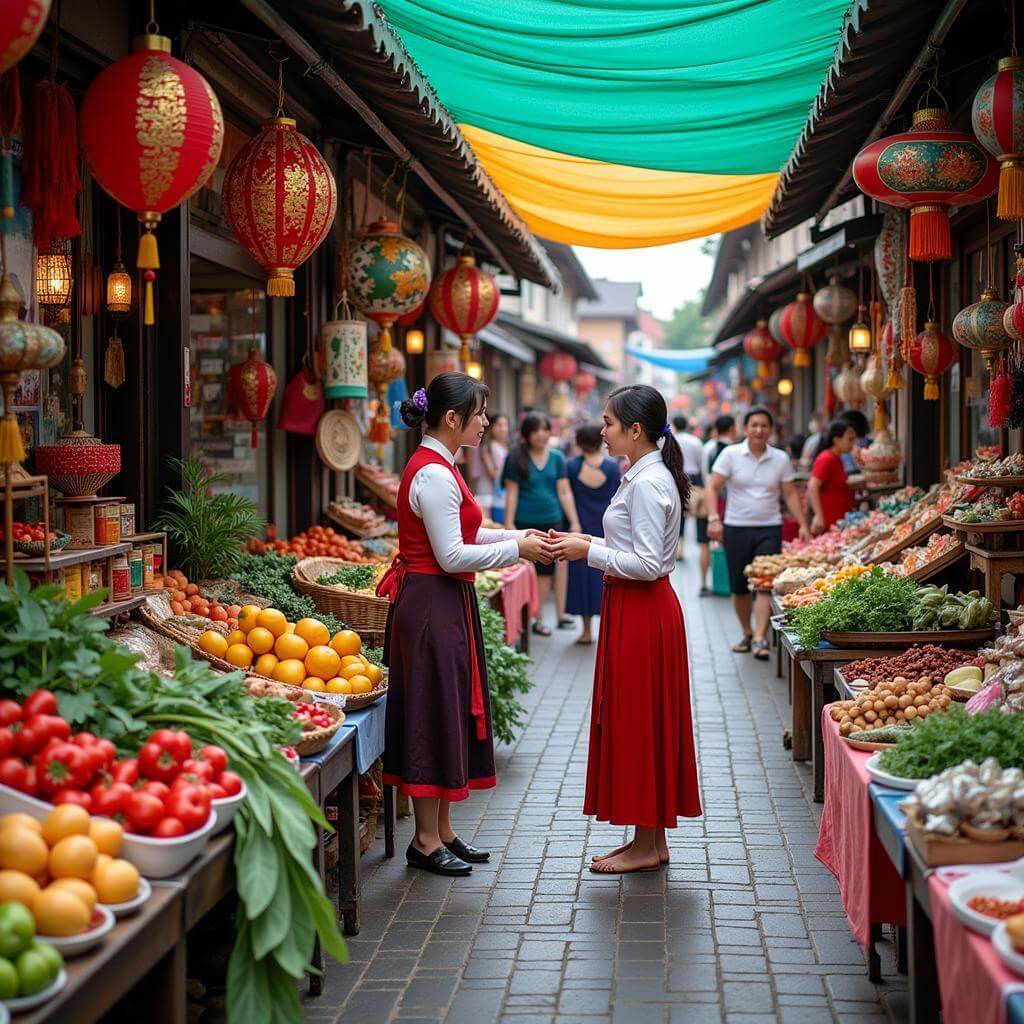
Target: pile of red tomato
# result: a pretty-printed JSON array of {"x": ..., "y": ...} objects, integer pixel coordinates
[
  {"x": 27, "y": 531},
  {"x": 167, "y": 790},
  {"x": 317, "y": 540},
  {"x": 311, "y": 716}
]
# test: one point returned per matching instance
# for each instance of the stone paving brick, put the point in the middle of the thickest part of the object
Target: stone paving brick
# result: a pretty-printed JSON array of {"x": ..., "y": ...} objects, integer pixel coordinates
[{"x": 744, "y": 926}]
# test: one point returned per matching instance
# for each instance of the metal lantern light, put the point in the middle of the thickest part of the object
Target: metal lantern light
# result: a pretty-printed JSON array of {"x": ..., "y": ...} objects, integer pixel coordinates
[
  {"x": 785, "y": 386},
  {"x": 860, "y": 333},
  {"x": 414, "y": 342},
  {"x": 119, "y": 290},
  {"x": 54, "y": 278},
  {"x": 475, "y": 369}
]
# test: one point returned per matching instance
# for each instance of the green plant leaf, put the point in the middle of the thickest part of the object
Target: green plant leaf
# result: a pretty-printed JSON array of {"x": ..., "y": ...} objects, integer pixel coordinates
[
  {"x": 271, "y": 926},
  {"x": 257, "y": 866}
]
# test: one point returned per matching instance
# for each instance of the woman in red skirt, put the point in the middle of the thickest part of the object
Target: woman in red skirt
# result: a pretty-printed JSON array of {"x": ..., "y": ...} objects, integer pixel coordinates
[
  {"x": 438, "y": 741},
  {"x": 641, "y": 768}
]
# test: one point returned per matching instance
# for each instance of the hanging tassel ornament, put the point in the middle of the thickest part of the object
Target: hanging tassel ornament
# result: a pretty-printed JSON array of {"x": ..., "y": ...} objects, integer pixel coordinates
[
  {"x": 999, "y": 396},
  {"x": 113, "y": 363},
  {"x": 908, "y": 299},
  {"x": 10, "y": 121}
]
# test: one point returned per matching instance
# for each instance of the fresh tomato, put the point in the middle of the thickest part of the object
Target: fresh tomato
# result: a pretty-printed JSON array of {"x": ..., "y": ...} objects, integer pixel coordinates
[
  {"x": 13, "y": 773},
  {"x": 143, "y": 810},
  {"x": 6, "y": 742},
  {"x": 10, "y": 712},
  {"x": 168, "y": 828},
  {"x": 159, "y": 762},
  {"x": 42, "y": 702},
  {"x": 158, "y": 789},
  {"x": 83, "y": 739},
  {"x": 217, "y": 792},
  {"x": 31, "y": 782},
  {"x": 30, "y": 739},
  {"x": 126, "y": 771},
  {"x": 215, "y": 756},
  {"x": 190, "y": 805},
  {"x": 107, "y": 751},
  {"x": 62, "y": 766},
  {"x": 177, "y": 743},
  {"x": 73, "y": 796},
  {"x": 201, "y": 769},
  {"x": 109, "y": 800},
  {"x": 230, "y": 783},
  {"x": 54, "y": 726}
]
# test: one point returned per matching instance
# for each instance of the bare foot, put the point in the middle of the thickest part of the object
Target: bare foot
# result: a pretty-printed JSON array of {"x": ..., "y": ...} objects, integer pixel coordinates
[
  {"x": 662, "y": 852},
  {"x": 628, "y": 861}
]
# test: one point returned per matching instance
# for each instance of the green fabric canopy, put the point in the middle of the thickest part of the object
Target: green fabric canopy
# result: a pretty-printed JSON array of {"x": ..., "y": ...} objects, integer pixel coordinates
[{"x": 709, "y": 86}]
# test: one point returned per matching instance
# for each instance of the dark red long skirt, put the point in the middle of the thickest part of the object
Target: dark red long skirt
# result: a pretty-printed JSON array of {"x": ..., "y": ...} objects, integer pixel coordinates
[
  {"x": 641, "y": 768},
  {"x": 431, "y": 741}
]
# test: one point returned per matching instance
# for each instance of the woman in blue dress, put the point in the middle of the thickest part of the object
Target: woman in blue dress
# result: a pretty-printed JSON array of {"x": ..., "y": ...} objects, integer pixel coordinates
[{"x": 594, "y": 478}]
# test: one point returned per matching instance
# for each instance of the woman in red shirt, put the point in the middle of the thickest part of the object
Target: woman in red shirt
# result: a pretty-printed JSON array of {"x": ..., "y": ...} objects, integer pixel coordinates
[{"x": 828, "y": 490}]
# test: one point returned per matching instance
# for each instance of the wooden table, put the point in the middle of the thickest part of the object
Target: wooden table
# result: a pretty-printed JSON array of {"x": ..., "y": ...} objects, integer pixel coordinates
[{"x": 993, "y": 565}]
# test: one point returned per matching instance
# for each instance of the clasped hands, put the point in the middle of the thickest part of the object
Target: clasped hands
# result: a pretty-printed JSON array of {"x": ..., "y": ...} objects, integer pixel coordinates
[{"x": 547, "y": 546}]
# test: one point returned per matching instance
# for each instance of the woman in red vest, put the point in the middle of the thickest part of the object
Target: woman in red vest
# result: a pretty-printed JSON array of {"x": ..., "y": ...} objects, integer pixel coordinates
[{"x": 438, "y": 741}]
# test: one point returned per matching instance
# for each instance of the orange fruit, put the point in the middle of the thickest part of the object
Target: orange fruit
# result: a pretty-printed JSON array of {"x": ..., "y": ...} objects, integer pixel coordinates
[
  {"x": 107, "y": 834},
  {"x": 290, "y": 671},
  {"x": 289, "y": 627},
  {"x": 116, "y": 882},
  {"x": 260, "y": 640},
  {"x": 60, "y": 912},
  {"x": 375, "y": 674},
  {"x": 272, "y": 619},
  {"x": 346, "y": 642},
  {"x": 236, "y": 637},
  {"x": 288, "y": 645},
  {"x": 65, "y": 820},
  {"x": 213, "y": 643},
  {"x": 265, "y": 664},
  {"x": 239, "y": 655},
  {"x": 314, "y": 683},
  {"x": 351, "y": 659},
  {"x": 313, "y": 631},
  {"x": 17, "y": 887},
  {"x": 348, "y": 671},
  {"x": 323, "y": 662},
  {"x": 338, "y": 685},
  {"x": 248, "y": 616},
  {"x": 360, "y": 684},
  {"x": 80, "y": 887},
  {"x": 73, "y": 857},
  {"x": 21, "y": 820},
  {"x": 23, "y": 850}
]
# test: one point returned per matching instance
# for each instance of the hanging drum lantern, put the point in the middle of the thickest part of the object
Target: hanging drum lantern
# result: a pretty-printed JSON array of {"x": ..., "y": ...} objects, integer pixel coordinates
[
  {"x": 889, "y": 250},
  {"x": 583, "y": 382},
  {"x": 997, "y": 117},
  {"x": 931, "y": 354},
  {"x": 344, "y": 348},
  {"x": 801, "y": 328},
  {"x": 835, "y": 303},
  {"x": 981, "y": 326},
  {"x": 848, "y": 388},
  {"x": 151, "y": 132},
  {"x": 21, "y": 22},
  {"x": 389, "y": 275},
  {"x": 762, "y": 347},
  {"x": 279, "y": 199},
  {"x": 386, "y": 365},
  {"x": 558, "y": 366},
  {"x": 464, "y": 299},
  {"x": 929, "y": 169},
  {"x": 251, "y": 386}
]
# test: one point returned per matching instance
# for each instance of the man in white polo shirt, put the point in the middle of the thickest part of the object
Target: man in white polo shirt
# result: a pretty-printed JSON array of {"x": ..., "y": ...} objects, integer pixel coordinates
[{"x": 758, "y": 475}]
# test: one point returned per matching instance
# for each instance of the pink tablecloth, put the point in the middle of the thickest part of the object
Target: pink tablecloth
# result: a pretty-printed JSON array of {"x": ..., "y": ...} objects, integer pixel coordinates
[
  {"x": 973, "y": 982},
  {"x": 519, "y": 590},
  {"x": 870, "y": 888}
]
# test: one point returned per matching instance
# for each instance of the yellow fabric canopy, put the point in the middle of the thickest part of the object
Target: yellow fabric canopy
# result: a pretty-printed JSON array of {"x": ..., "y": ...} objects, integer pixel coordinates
[{"x": 578, "y": 201}]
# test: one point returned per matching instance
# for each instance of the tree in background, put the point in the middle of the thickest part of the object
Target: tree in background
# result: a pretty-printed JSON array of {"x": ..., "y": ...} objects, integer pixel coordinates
[{"x": 687, "y": 328}]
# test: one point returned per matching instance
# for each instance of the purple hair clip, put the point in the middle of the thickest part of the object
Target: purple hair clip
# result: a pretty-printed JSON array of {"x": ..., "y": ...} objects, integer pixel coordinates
[
  {"x": 419, "y": 399},
  {"x": 666, "y": 430}
]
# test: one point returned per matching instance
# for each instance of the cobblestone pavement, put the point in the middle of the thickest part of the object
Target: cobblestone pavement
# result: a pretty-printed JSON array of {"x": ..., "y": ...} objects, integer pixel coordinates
[{"x": 744, "y": 926}]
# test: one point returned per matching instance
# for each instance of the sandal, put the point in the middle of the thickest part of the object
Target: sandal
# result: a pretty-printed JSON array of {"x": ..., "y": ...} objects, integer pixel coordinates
[
  {"x": 743, "y": 647},
  {"x": 540, "y": 629},
  {"x": 762, "y": 650},
  {"x": 567, "y": 623}
]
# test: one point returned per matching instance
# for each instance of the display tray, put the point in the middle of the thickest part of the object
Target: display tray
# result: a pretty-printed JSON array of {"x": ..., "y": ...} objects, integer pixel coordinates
[
  {"x": 382, "y": 494},
  {"x": 919, "y": 636},
  {"x": 922, "y": 572},
  {"x": 996, "y": 526},
  {"x": 995, "y": 885},
  {"x": 991, "y": 481},
  {"x": 938, "y": 851},
  {"x": 921, "y": 533},
  {"x": 349, "y": 527},
  {"x": 867, "y": 746},
  {"x": 883, "y": 778}
]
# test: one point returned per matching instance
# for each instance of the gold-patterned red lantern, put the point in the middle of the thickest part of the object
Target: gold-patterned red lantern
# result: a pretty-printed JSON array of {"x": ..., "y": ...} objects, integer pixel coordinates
[
  {"x": 465, "y": 299},
  {"x": 931, "y": 354},
  {"x": 997, "y": 117},
  {"x": 801, "y": 328},
  {"x": 279, "y": 199},
  {"x": 251, "y": 387},
  {"x": 583, "y": 382},
  {"x": 929, "y": 169},
  {"x": 21, "y": 22},
  {"x": 151, "y": 132},
  {"x": 558, "y": 366},
  {"x": 759, "y": 345}
]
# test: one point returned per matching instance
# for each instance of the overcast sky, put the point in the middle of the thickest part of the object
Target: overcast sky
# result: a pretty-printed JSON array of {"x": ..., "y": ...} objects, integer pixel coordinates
[{"x": 670, "y": 274}]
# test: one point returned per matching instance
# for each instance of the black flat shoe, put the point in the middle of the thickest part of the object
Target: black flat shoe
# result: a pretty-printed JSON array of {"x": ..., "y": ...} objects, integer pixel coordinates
[
  {"x": 441, "y": 862},
  {"x": 468, "y": 853},
  {"x": 566, "y": 623}
]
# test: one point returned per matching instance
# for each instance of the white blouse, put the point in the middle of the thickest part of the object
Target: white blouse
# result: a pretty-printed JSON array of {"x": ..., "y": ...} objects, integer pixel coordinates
[
  {"x": 641, "y": 525},
  {"x": 435, "y": 497}
]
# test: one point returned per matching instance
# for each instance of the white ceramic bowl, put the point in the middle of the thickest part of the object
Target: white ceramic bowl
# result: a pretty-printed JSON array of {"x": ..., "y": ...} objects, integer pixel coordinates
[
  {"x": 996, "y": 884},
  {"x": 885, "y": 779},
  {"x": 22, "y": 1003},
  {"x": 75, "y": 945},
  {"x": 1004, "y": 947},
  {"x": 120, "y": 910},
  {"x": 226, "y": 808}
]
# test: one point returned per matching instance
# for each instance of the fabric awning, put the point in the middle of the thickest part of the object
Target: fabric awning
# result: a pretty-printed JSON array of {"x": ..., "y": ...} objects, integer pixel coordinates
[
  {"x": 684, "y": 360},
  {"x": 504, "y": 342}
]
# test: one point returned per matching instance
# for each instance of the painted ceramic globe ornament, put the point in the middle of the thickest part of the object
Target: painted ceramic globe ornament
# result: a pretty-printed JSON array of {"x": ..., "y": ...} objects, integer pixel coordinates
[
  {"x": 835, "y": 303},
  {"x": 773, "y": 325},
  {"x": 848, "y": 388},
  {"x": 889, "y": 251},
  {"x": 929, "y": 169},
  {"x": 801, "y": 328},
  {"x": 931, "y": 354},
  {"x": 759, "y": 345},
  {"x": 21, "y": 23},
  {"x": 981, "y": 326},
  {"x": 389, "y": 275},
  {"x": 997, "y": 117},
  {"x": 252, "y": 385},
  {"x": 465, "y": 300}
]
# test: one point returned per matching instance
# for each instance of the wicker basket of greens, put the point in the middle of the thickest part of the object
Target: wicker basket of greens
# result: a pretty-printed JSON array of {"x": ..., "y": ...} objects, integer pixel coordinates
[{"x": 346, "y": 590}]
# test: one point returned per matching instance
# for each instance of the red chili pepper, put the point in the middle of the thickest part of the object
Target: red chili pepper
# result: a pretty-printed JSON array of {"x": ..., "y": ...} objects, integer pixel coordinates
[
  {"x": 143, "y": 810},
  {"x": 42, "y": 702},
  {"x": 10, "y": 712},
  {"x": 190, "y": 805},
  {"x": 215, "y": 756},
  {"x": 62, "y": 766},
  {"x": 168, "y": 828},
  {"x": 13, "y": 773},
  {"x": 126, "y": 771},
  {"x": 230, "y": 782}
]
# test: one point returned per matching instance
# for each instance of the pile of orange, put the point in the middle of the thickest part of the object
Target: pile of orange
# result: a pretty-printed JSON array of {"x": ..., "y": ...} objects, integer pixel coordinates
[{"x": 299, "y": 653}]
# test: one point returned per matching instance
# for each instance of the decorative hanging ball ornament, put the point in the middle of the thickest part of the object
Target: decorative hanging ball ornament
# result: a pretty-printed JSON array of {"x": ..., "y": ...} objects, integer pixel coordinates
[
  {"x": 386, "y": 365},
  {"x": 151, "y": 132},
  {"x": 848, "y": 387},
  {"x": 279, "y": 199},
  {"x": 759, "y": 345},
  {"x": 252, "y": 385},
  {"x": 835, "y": 303},
  {"x": 21, "y": 23},
  {"x": 388, "y": 275},
  {"x": 929, "y": 169},
  {"x": 773, "y": 326},
  {"x": 931, "y": 354},
  {"x": 997, "y": 117},
  {"x": 889, "y": 251},
  {"x": 801, "y": 328},
  {"x": 981, "y": 326},
  {"x": 558, "y": 366},
  {"x": 464, "y": 299},
  {"x": 583, "y": 382}
]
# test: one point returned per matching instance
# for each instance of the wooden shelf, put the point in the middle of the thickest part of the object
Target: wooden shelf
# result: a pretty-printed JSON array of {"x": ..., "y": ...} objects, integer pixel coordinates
[
  {"x": 71, "y": 556},
  {"x": 112, "y": 608},
  {"x": 929, "y": 569}
]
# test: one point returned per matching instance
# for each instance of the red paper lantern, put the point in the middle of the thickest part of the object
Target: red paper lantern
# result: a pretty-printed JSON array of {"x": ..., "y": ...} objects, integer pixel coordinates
[
  {"x": 151, "y": 131},
  {"x": 558, "y": 366},
  {"x": 760, "y": 345},
  {"x": 928, "y": 169},
  {"x": 251, "y": 386},
  {"x": 583, "y": 382},
  {"x": 279, "y": 199},
  {"x": 931, "y": 354},
  {"x": 21, "y": 22},
  {"x": 801, "y": 328},
  {"x": 465, "y": 299},
  {"x": 997, "y": 117}
]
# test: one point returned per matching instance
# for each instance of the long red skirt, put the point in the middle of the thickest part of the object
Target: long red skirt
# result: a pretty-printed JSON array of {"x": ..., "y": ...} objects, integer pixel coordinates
[{"x": 641, "y": 769}]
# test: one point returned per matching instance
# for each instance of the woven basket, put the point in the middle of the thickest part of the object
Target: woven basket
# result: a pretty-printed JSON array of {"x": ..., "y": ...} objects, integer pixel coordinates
[
  {"x": 365, "y": 613},
  {"x": 357, "y": 701},
  {"x": 315, "y": 740}
]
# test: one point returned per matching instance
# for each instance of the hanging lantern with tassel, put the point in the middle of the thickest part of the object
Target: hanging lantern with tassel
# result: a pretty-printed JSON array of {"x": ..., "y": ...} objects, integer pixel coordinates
[
  {"x": 464, "y": 299},
  {"x": 872, "y": 380},
  {"x": 801, "y": 328},
  {"x": 893, "y": 357},
  {"x": 583, "y": 382},
  {"x": 21, "y": 24},
  {"x": 344, "y": 348},
  {"x": 251, "y": 386},
  {"x": 981, "y": 326},
  {"x": 848, "y": 387},
  {"x": 759, "y": 345},
  {"x": 835, "y": 303},
  {"x": 997, "y": 117},
  {"x": 558, "y": 366},
  {"x": 151, "y": 134},
  {"x": 774, "y": 328},
  {"x": 929, "y": 169},
  {"x": 386, "y": 365},
  {"x": 931, "y": 355}
]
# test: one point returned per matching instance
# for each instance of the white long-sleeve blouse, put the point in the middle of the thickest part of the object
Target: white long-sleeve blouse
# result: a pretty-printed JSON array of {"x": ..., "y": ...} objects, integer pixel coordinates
[{"x": 435, "y": 497}]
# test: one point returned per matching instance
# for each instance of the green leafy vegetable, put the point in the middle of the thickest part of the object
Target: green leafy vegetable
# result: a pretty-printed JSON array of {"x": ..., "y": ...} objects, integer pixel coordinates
[
  {"x": 270, "y": 576},
  {"x": 506, "y": 674},
  {"x": 354, "y": 577}
]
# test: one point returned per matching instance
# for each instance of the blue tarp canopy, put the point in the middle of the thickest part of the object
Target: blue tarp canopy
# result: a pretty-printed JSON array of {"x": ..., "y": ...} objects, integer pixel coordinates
[{"x": 684, "y": 360}]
